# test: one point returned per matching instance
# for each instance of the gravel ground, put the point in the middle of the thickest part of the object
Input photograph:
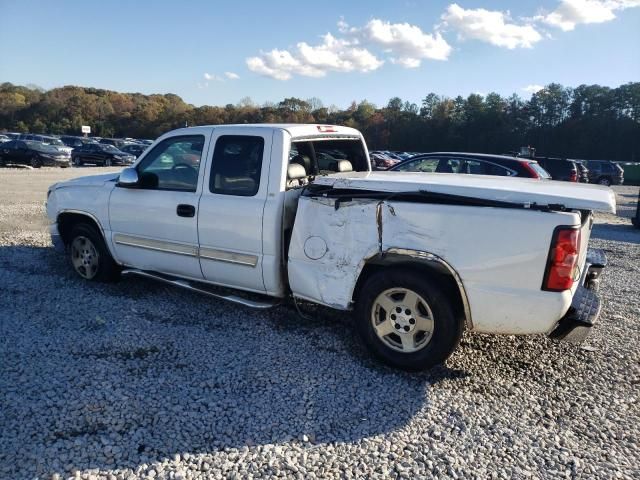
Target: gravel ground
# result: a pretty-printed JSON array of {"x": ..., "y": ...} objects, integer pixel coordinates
[{"x": 141, "y": 380}]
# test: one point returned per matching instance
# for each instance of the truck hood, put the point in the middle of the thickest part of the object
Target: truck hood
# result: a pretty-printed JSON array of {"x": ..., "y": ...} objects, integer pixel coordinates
[
  {"x": 89, "y": 180},
  {"x": 573, "y": 196}
]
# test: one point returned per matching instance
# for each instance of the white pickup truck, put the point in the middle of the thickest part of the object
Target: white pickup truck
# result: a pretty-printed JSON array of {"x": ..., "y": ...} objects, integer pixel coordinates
[{"x": 293, "y": 212}]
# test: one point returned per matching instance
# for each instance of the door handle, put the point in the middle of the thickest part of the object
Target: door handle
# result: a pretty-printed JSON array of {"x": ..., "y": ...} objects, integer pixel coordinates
[{"x": 184, "y": 210}]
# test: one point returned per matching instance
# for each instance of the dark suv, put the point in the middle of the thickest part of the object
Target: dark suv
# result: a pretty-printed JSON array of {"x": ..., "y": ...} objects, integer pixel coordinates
[
  {"x": 559, "y": 168},
  {"x": 605, "y": 172},
  {"x": 100, "y": 154}
]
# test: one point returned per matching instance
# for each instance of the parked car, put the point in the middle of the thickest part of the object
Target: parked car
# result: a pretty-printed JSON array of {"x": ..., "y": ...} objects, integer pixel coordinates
[
  {"x": 559, "y": 168},
  {"x": 381, "y": 161},
  {"x": 605, "y": 172},
  {"x": 583, "y": 171},
  {"x": 472, "y": 163},
  {"x": 75, "y": 141},
  {"x": 12, "y": 135},
  {"x": 49, "y": 140},
  {"x": 4, "y": 138},
  {"x": 404, "y": 155},
  {"x": 100, "y": 154},
  {"x": 135, "y": 149},
  {"x": 417, "y": 257},
  {"x": 56, "y": 143},
  {"x": 29, "y": 152},
  {"x": 145, "y": 141},
  {"x": 116, "y": 142}
]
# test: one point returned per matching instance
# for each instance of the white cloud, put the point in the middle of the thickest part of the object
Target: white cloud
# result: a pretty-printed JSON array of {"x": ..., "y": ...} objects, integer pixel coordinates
[
  {"x": 407, "y": 43},
  {"x": 575, "y": 12},
  {"x": 532, "y": 88},
  {"x": 231, "y": 75},
  {"x": 213, "y": 78},
  {"x": 333, "y": 54},
  {"x": 404, "y": 44},
  {"x": 490, "y": 26}
]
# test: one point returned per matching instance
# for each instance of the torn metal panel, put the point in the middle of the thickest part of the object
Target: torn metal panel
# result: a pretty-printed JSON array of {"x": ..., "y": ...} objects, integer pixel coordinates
[{"x": 351, "y": 236}]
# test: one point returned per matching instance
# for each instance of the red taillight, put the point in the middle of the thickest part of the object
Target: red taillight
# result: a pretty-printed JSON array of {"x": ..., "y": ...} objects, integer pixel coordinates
[
  {"x": 573, "y": 177},
  {"x": 563, "y": 260},
  {"x": 529, "y": 169}
]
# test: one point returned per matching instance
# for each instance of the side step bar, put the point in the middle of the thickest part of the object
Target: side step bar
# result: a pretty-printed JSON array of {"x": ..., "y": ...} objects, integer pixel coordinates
[{"x": 200, "y": 288}]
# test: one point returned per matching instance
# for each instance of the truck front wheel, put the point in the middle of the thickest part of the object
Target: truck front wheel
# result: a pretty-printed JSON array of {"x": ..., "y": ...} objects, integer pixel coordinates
[
  {"x": 89, "y": 255},
  {"x": 406, "y": 320}
]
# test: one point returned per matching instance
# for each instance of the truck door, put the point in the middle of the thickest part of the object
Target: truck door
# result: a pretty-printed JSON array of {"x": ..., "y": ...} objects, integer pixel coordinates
[
  {"x": 154, "y": 225},
  {"x": 230, "y": 214}
]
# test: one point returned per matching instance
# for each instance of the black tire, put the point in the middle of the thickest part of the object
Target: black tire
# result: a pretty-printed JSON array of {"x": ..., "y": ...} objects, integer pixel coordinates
[
  {"x": 604, "y": 181},
  {"x": 447, "y": 327},
  {"x": 36, "y": 161},
  {"x": 107, "y": 162},
  {"x": 107, "y": 270},
  {"x": 77, "y": 161}
]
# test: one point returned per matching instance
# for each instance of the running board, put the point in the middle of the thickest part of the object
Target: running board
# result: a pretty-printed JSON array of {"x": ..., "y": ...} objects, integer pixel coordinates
[{"x": 260, "y": 305}]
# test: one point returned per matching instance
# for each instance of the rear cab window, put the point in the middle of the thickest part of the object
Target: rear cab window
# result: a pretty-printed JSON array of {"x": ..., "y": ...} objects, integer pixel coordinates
[{"x": 324, "y": 157}]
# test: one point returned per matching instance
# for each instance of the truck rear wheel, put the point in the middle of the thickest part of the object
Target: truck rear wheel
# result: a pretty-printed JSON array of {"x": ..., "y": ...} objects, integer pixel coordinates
[
  {"x": 406, "y": 320},
  {"x": 90, "y": 256}
]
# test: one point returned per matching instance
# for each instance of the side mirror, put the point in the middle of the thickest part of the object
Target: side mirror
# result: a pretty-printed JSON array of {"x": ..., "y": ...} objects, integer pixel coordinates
[{"x": 128, "y": 178}]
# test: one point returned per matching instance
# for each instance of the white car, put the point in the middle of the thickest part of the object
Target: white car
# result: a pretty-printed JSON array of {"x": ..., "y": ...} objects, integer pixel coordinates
[{"x": 417, "y": 257}]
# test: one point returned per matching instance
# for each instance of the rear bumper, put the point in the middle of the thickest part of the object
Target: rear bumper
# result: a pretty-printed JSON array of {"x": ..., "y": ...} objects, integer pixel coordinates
[{"x": 585, "y": 307}]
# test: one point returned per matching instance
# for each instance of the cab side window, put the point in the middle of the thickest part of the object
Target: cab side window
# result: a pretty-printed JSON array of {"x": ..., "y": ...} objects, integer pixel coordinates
[
  {"x": 236, "y": 166},
  {"x": 173, "y": 164}
]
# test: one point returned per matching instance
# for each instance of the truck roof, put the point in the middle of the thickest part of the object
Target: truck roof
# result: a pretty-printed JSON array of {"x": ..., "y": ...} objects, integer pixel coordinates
[{"x": 294, "y": 129}]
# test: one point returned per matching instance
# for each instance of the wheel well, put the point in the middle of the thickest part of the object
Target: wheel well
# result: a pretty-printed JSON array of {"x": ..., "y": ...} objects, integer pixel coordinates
[
  {"x": 440, "y": 274},
  {"x": 68, "y": 220}
]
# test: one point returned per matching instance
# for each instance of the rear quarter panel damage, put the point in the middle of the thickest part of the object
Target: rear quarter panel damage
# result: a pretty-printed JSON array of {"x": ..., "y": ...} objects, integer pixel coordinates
[
  {"x": 351, "y": 236},
  {"x": 499, "y": 254}
]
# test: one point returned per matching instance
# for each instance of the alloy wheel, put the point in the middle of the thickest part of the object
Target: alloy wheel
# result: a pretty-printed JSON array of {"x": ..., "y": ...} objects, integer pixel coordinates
[
  {"x": 402, "y": 319},
  {"x": 84, "y": 257}
]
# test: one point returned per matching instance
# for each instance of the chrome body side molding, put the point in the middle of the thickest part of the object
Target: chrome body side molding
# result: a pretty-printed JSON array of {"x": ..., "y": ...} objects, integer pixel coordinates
[
  {"x": 186, "y": 249},
  {"x": 157, "y": 245},
  {"x": 229, "y": 257}
]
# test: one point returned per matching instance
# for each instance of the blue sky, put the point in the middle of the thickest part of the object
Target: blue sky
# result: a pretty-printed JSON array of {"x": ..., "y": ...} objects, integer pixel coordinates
[{"x": 377, "y": 49}]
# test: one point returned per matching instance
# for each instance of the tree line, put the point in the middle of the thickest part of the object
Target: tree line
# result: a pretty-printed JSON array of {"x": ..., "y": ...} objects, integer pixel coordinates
[{"x": 588, "y": 121}]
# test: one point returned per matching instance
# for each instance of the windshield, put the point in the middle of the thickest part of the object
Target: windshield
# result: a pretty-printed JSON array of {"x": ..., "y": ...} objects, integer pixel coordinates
[
  {"x": 109, "y": 148},
  {"x": 542, "y": 173},
  {"x": 40, "y": 147}
]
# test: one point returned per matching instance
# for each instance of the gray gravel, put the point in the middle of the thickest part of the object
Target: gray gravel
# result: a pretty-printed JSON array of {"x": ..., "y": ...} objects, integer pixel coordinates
[{"x": 139, "y": 380}]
